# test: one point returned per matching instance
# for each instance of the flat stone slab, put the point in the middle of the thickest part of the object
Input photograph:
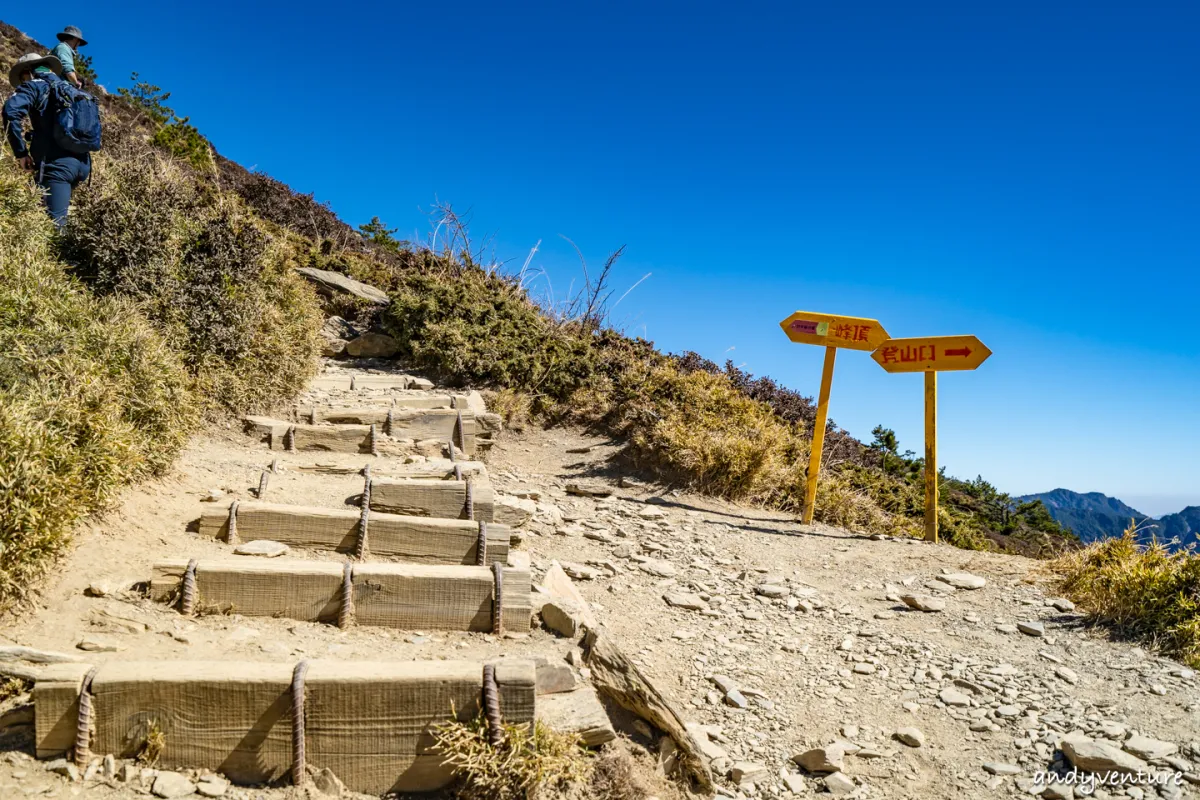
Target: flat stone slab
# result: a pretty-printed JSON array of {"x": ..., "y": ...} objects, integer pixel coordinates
[
  {"x": 330, "y": 283},
  {"x": 261, "y": 547}
]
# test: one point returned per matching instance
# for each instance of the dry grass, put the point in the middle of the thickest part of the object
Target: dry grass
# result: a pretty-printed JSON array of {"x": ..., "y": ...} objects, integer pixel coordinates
[
  {"x": 152, "y": 745},
  {"x": 1143, "y": 591}
]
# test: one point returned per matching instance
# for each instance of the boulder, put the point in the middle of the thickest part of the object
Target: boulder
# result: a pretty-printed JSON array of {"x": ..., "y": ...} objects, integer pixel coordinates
[
  {"x": 923, "y": 602},
  {"x": 372, "y": 345},
  {"x": 1093, "y": 756},
  {"x": 963, "y": 580},
  {"x": 334, "y": 283},
  {"x": 1149, "y": 749},
  {"x": 821, "y": 760},
  {"x": 172, "y": 784},
  {"x": 334, "y": 335},
  {"x": 579, "y": 712}
]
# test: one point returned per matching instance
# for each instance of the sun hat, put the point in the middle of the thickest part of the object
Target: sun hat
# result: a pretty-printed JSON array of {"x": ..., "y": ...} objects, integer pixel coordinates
[
  {"x": 72, "y": 31},
  {"x": 30, "y": 62}
]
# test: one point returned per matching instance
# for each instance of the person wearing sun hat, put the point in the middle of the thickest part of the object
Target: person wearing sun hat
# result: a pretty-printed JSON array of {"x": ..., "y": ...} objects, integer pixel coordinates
[
  {"x": 59, "y": 170},
  {"x": 66, "y": 51}
]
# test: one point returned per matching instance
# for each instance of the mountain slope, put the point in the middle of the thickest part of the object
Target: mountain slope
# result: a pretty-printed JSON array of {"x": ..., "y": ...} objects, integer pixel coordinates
[
  {"x": 1091, "y": 515},
  {"x": 1184, "y": 526}
]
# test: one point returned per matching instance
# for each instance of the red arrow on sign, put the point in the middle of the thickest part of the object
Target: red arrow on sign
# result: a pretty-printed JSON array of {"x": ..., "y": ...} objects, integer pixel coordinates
[{"x": 964, "y": 352}]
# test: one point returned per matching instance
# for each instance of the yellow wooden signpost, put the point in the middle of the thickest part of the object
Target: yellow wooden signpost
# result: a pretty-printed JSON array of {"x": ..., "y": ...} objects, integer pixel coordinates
[
  {"x": 832, "y": 331},
  {"x": 931, "y": 355}
]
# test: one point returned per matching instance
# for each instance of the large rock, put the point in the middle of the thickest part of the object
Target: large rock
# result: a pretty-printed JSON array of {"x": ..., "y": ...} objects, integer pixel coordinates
[
  {"x": 579, "y": 712},
  {"x": 334, "y": 335},
  {"x": 923, "y": 602},
  {"x": 821, "y": 760},
  {"x": 372, "y": 345},
  {"x": 334, "y": 283},
  {"x": 172, "y": 784},
  {"x": 1093, "y": 756},
  {"x": 963, "y": 580},
  {"x": 1149, "y": 749}
]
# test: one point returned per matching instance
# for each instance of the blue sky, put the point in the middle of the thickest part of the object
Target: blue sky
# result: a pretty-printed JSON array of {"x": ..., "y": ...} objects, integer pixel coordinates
[{"x": 1025, "y": 172}]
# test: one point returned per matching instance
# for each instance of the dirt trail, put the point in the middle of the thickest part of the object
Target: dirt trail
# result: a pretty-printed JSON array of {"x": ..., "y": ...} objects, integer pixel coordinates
[{"x": 792, "y": 638}]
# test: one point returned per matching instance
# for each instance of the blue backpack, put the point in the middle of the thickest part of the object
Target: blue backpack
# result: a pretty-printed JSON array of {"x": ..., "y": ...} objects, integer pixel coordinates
[{"x": 74, "y": 117}]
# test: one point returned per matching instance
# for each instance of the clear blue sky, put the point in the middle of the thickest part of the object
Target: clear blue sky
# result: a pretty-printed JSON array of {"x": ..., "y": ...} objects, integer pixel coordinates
[{"x": 1026, "y": 172}]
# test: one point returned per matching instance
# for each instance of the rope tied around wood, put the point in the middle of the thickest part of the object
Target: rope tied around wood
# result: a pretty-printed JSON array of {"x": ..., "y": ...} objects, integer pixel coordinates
[
  {"x": 231, "y": 534},
  {"x": 360, "y": 546},
  {"x": 458, "y": 472},
  {"x": 374, "y": 439},
  {"x": 450, "y": 447},
  {"x": 298, "y": 771},
  {"x": 275, "y": 466},
  {"x": 491, "y": 706},
  {"x": 470, "y": 499},
  {"x": 312, "y": 416},
  {"x": 346, "y": 611},
  {"x": 461, "y": 432},
  {"x": 187, "y": 594},
  {"x": 262, "y": 484},
  {"x": 498, "y": 601},
  {"x": 289, "y": 439},
  {"x": 390, "y": 423},
  {"x": 481, "y": 546},
  {"x": 353, "y": 382},
  {"x": 83, "y": 723}
]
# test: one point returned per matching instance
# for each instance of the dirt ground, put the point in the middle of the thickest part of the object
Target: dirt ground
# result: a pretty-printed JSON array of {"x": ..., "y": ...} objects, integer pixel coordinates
[{"x": 795, "y": 637}]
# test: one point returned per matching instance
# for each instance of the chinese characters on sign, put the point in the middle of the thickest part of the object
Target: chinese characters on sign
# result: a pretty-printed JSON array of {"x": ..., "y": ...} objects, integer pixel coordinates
[
  {"x": 931, "y": 354},
  {"x": 854, "y": 333}
]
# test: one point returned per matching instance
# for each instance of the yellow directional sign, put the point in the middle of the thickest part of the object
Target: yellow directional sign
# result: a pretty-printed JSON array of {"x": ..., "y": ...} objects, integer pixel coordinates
[
  {"x": 831, "y": 331},
  {"x": 854, "y": 333},
  {"x": 931, "y": 354}
]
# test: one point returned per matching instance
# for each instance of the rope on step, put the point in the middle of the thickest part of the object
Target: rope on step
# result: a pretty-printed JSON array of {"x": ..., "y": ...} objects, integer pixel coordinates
[
  {"x": 450, "y": 447},
  {"x": 83, "y": 723},
  {"x": 262, "y": 484},
  {"x": 481, "y": 545},
  {"x": 360, "y": 546},
  {"x": 187, "y": 595},
  {"x": 491, "y": 706},
  {"x": 346, "y": 611},
  {"x": 289, "y": 439},
  {"x": 275, "y": 466},
  {"x": 374, "y": 438},
  {"x": 470, "y": 499},
  {"x": 353, "y": 382},
  {"x": 462, "y": 434},
  {"x": 312, "y": 416},
  {"x": 391, "y": 420},
  {"x": 231, "y": 534},
  {"x": 298, "y": 771},
  {"x": 498, "y": 602}
]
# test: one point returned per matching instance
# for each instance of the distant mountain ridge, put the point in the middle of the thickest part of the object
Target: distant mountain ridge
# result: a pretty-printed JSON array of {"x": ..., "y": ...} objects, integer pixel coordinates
[{"x": 1094, "y": 516}]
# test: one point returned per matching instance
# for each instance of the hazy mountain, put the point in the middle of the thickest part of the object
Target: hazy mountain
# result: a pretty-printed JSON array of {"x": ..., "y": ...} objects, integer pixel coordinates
[{"x": 1094, "y": 516}]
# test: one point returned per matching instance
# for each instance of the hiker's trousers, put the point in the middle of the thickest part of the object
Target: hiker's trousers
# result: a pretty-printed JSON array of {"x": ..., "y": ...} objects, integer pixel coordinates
[{"x": 59, "y": 177}]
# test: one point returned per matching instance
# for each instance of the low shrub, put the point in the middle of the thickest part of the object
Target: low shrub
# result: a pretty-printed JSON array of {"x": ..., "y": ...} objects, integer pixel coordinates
[
  {"x": 204, "y": 272},
  {"x": 1144, "y": 591},
  {"x": 91, "y": 396}
]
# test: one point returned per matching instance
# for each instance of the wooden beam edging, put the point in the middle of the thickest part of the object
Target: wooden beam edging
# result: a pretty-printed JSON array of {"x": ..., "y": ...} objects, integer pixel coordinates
[
  {"x": 404, "y": 596},
  {"x": 236, "y": 717},
  {"x": 426, "y": 540}
]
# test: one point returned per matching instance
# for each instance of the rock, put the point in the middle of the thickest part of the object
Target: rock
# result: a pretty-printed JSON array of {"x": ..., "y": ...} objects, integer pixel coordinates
[
  {"x": 1011, "y": 710},
  {"x": 331, "y": 283},
  {"x": 514, "y": 512},
  {"x": 659, "y": 569},
  {"x": 1149, "y": 749},
  {"x": 580, "y": 572},
  {"x": 261, "y": 547},
  {"x": 555, "y": 678},
  {"x": 212, "y": 786},
  {"x": 1005, "y": 627},
  {"x": 686, "y": 600},
  {"x": 110, "y": 766},
  {"x": 821, "y": 760},
  {"x": 1093, "y": 756},
  {"x": 91, "y": 644},
  {"x": 172, "y": 784},
  {"x": 652, "y": 513},
  {"x": 770, "y": 590},
  {"x": 1061, "y": 604},
  {"x": 1031, "y": 628},
  {"x": 129, "y": 773},
  {"x": 923, "y": 602},
  {"x": 579, "y": 712},
  {"x": 326, "y": 782},
  {"x": 794, "y": 783},
  {"x": 910, "y": 736},
  {"x": 589, "y": 490},
  {"x": 710, "y": 749},
  {"x": 953, "y": 698},
  {"x": 736, "y": 699},
  {"x": 864, "y": 669},
  {"x": 372, "y": 345},
  {"x": 963, "y": 580},
  {"x": 212, "y": 496},
  {"x": 998, "y": 768},
  {"x": 839, "y": 784},
  {"x": 1058, "y": 791},
  {"x": 563, "y": 616},
  {"x": 65, "y": 768},
  {"x": 98, "y": 589},
  {"x": 744, "y": 772},
  {"x": 1067, "y": 674},
  {"x": 334, "y": 335}
]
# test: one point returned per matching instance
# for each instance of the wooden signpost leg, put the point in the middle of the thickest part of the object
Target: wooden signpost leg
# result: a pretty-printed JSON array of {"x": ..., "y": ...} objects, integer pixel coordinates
[
  {"x": 818, "y": 437},
  {"x": 931, "y": 468}
]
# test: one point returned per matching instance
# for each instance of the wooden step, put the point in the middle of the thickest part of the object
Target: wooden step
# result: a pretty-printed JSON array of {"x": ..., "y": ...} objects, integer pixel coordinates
[
  {"x": 435, "y": 425},
  {"x": 442, "y": 469},
  {"x": 371, "y": 723},
  {"x": 348, "y": 382},
  {"x": 431, "y": 497},
  {"x": 405, "y": 596},
  {"x": 306, "y": 412},
  {"x": 422, "y": 540}
]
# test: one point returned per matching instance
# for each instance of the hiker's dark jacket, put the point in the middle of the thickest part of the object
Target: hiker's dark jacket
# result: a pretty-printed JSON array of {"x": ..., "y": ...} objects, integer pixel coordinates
[{"x": 29, "y": 100}]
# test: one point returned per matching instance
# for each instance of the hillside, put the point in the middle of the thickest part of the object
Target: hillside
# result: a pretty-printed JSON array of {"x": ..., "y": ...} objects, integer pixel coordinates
[{"x": 1094, "y": 517}]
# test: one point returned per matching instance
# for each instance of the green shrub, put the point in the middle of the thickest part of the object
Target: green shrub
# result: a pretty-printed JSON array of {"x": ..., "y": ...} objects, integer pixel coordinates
[
  {"x": 204, "y": 272},
  {"x": 91, "y": 396},
  {"x": 172, "y": 133},
  {"x": 1143, "y": 591}
]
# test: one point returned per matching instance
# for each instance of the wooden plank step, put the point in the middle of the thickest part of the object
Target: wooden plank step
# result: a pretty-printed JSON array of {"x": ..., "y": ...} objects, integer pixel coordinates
[
  {"x": 438, "y": 469},
  {"x": 343, "y": 382},
  {"x": 405, "y": 596},
  {"x": 437, "y": 426},
  {"x": 422, "y": 540},
  {"x": 431, "y": 497},
  {"x": 371, "y": 723},
  {"x": 303, "y": 412}
]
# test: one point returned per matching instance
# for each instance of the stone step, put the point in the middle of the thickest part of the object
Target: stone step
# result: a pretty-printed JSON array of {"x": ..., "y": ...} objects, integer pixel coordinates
[
  {"x": 370, "y": 723},
  {"x": 423, "y": 540},
  {"x": 404, "y": 596},
  {"x": 471, "y": 498}
]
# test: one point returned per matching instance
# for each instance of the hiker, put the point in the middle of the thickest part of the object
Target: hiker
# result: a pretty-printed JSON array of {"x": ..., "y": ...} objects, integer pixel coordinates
[
  {"x": 66, "y": 51},
  {"x": 66, "y": 129}
]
